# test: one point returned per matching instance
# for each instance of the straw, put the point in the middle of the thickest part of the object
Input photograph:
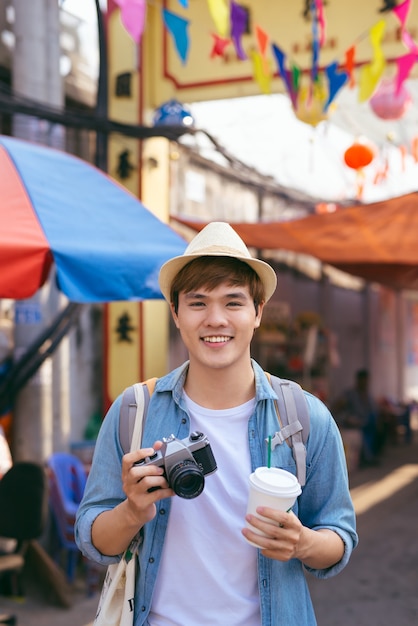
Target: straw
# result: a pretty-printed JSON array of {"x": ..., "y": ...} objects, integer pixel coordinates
[{"x": 269, "y": 452}]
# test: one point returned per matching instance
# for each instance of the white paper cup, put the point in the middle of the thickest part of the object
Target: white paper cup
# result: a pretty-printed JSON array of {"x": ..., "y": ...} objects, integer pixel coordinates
[{"x": 272, "y": 487}]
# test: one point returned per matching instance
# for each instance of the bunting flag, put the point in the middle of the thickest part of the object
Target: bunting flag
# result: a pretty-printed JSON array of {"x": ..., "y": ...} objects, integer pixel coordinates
[
  {"x": 219, "y": 45},
  {"x": 261, "y": 72},
  {"x": 219, "y": 11},
  {"x": 177, "y": 27},
  {"x": 372, "y": 72},
  {"x": 238, "y": 28},
  {"x": 133, "y": 14},
  {"x": 401, "y": 11},
  {"x": 336, "y": 80},
  {"x": 349, "y": 65},
  {"x": 230, "y": 20},
  {"x": 321, "y": 22},
  {"x": 315, "y": 42},
  {"x": 283, "y": 72},
  {"x": 262, "y": 41},
  {"x": 405, "y": 65}
]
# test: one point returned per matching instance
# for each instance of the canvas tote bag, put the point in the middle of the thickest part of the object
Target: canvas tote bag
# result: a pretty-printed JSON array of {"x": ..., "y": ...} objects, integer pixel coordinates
[{"x": 116, "y": 603}]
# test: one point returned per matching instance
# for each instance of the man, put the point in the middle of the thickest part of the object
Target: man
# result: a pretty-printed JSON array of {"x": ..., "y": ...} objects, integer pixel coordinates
[
  {"x": 356, "y": 409},
  {"x": 195, "y": 565}
]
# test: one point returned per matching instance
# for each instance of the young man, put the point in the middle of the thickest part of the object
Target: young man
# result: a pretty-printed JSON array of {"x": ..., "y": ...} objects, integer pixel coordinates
[{"x": 195, "y": 565}]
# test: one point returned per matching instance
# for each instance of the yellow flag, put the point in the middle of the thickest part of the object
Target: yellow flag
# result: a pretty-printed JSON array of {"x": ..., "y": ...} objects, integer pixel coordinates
[
  {"x": 371, "y": 73},
  {"x": 261, "y": 71},
  {"x": 219, "y": 10}
]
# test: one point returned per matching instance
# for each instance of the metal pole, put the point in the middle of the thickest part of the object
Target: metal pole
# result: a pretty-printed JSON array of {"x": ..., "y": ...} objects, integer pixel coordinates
[{"x": 35, "y": 74}]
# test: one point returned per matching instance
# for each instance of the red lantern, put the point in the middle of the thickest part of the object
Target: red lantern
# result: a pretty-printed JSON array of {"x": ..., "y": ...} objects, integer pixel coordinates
[
  {"x": 358, "y": 155},
  {"x": 388, "y": 102}
]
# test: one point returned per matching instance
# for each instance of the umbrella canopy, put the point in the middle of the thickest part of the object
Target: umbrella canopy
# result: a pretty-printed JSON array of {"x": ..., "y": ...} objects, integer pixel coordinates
[
  {"x": 377, "y": 242},
  {"x": 57, "y": 208}
]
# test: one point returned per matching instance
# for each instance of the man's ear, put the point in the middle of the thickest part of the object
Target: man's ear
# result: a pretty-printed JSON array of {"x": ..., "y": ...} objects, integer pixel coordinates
[
  {"x": 259, "y": 315},
  {"x": 174, "y": 314}
]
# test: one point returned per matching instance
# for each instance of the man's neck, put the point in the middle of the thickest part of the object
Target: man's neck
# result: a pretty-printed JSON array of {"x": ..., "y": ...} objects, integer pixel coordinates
[{"x": 221, "y": 388}]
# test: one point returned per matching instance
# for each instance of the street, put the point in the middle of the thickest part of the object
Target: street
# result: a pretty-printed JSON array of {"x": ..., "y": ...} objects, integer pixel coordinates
[{"x": 379, "y": 586}]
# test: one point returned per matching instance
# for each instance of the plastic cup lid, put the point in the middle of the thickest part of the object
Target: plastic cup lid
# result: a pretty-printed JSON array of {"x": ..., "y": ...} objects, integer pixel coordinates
[{"x": 276, "y": 480}]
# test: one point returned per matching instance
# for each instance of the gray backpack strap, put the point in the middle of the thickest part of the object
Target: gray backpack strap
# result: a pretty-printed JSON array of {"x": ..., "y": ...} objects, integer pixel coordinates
[
  {"x": 295, "y": 423},
  {"x": 128, "y": 414}
]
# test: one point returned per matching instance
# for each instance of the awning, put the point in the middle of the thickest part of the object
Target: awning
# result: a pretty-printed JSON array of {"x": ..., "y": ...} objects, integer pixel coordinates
[{"x": 377, "y": 242}]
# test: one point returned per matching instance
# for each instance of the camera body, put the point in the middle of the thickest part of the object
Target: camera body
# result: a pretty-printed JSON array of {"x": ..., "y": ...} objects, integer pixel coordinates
[{"x": 185, "y": 462}]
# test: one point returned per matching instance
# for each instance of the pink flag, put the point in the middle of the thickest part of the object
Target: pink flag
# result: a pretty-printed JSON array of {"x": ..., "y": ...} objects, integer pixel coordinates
[
  {"x": 133, "y": 14},
  {"x": 401, "y": 11},
  {"x": 404, "y": 64}
]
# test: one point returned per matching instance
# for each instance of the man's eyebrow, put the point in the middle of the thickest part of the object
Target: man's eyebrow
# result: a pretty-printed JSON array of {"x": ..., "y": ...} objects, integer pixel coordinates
[{"x": 196, "y": 295}]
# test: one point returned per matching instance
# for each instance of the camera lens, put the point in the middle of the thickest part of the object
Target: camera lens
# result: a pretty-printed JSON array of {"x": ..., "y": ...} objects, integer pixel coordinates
[{"x": 186, "y": 479}]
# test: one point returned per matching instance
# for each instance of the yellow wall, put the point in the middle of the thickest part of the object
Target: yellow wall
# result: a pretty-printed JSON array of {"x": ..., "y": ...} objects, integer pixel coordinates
[
  {"x": 147, "y": 353},
  {"x": 202, "y": 78}
]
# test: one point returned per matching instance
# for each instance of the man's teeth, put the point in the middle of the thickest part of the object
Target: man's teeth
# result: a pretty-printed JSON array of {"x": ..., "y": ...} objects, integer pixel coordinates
[{"x": 216, "y": 339}]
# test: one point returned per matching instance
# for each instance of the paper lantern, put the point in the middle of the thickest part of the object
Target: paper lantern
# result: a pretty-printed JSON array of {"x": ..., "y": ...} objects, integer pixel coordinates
[
  {"x": 387, "y": 103},
  {"x": 358, "y": 155}
]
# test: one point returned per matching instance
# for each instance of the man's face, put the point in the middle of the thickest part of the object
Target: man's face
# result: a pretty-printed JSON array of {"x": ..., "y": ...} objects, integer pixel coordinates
[{"x": 217, "y": 326}]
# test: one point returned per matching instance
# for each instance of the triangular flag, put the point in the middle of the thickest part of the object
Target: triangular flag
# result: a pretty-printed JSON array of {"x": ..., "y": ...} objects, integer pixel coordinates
[
  {"x": 371, "y": 73},
  {"x": 285, "y": 74},
  {"x": 401, "y": 11},
  {"x": 262, "y": 77},
  {"x": 219, "y": 46},
  {"x": 349, "y": 65},
  {"x": 405, "y": 64},
  {"x": 238, "y": 27},
  {"x": 262, "y": 40},
  {"x": 132, "y": 13},
  {"x": 177, "y": 26},
  {"x": 336, "y": 80},
  {"x": 219, "y": 10},
  {"x": 321, "y": 22}
]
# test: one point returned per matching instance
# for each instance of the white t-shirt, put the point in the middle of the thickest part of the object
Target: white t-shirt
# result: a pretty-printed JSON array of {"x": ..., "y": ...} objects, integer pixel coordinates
[{"x": 208, "y": 572}]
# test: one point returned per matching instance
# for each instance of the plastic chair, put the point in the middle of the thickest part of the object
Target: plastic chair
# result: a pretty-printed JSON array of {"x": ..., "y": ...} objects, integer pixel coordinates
[
  {"x": 23, "y": 515},
  {"x": 67, "y": 480}
]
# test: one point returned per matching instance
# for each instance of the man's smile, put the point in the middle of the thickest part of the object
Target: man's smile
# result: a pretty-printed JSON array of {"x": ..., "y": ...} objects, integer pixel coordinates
[{"x": 216, "y": 339}]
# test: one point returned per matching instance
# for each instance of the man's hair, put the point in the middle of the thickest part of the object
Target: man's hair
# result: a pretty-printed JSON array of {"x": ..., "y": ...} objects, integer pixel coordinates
[{"x": 210, "y": 271}]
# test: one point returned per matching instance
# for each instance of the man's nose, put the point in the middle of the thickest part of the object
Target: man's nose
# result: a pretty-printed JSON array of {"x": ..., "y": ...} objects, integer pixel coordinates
[{"x": 216, "y": 315}]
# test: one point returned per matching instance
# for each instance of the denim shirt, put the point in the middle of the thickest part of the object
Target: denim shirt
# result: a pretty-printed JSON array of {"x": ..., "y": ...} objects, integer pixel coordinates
[{"x": 325, "y": 501}]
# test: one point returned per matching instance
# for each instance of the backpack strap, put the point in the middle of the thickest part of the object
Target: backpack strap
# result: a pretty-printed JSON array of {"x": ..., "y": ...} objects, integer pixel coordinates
[
  {"x": 133, "y": 410},
  {"x": 293, "y": 414}
]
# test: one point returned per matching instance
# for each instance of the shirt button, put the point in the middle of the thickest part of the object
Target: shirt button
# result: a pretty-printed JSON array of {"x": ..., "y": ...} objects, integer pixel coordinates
[
  {"x": 183, "y": 421},
  {"x": 143, "y": 608},
  {"x": 162, "y": 511},
  {"x": 151, "y": 560}
]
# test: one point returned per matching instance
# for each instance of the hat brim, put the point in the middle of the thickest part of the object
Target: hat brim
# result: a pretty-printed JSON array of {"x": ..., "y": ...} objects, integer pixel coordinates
[{"x": 171, "y": 268}]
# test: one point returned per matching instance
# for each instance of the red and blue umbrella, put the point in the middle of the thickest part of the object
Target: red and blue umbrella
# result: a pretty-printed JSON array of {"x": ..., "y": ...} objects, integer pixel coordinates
[{"x": 58, "y": 209}]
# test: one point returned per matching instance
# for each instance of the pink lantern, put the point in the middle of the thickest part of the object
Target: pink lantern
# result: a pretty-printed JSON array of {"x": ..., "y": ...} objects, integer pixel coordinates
[{"x": 387, "y": 104}]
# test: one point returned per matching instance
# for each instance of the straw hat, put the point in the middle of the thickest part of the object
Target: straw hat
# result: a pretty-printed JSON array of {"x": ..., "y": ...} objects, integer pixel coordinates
[{"x": 217, "y": 239}]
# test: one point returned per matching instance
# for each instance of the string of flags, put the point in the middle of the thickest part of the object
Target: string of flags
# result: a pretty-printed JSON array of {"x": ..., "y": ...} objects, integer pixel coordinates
[{"x": 312, "y": 98}]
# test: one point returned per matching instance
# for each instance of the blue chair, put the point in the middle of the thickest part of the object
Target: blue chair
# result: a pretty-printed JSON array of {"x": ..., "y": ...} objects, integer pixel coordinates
[{"x": 67, "y": 480}]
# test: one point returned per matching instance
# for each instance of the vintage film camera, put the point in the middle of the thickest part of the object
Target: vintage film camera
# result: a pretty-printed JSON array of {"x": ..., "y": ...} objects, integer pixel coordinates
[{"x": 186, "y": 462}]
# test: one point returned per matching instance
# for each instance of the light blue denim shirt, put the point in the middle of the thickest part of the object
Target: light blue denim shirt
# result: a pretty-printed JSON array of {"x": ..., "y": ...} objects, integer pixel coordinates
[{"x": 325, "y": 501}]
